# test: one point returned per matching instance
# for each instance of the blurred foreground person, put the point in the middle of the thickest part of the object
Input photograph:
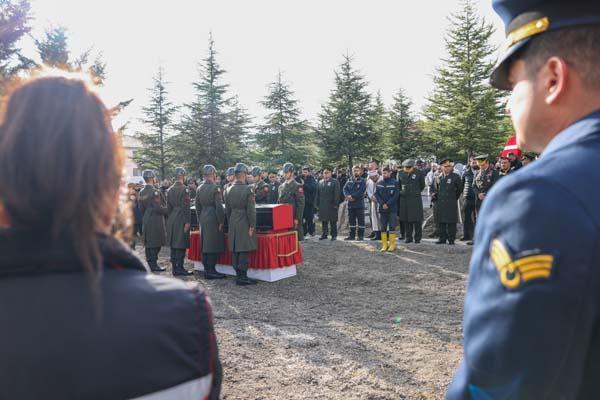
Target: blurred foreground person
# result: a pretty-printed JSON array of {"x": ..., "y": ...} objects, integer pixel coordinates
[
  {"x": 532, "y": 321},
  {"x": 82, "y": 318}
]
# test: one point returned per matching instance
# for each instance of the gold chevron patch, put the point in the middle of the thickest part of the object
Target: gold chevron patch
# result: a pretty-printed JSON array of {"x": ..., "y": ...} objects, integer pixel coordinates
[{"x": 513, "y": 273}]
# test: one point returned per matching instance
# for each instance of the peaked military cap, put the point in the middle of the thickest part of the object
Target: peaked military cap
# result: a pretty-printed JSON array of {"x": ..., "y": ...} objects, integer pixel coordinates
[
  {"x": 525, "y": 19},
  {"x": 209, "y": 170},
  {"x": 241, "y": 168},
  {"x": 230, "y": 171},
  {"x": 446, "y": 161},
  {"x": 148, "y": 174},
  {"x": 409, "y": 163},
  {"x": 482, "y": 157},
  {"x": 288, "y": 167},
  {"x": 530, "y": 156},
  {"x": 256, "y": 171},
  {"x": 180, "y": 171}
]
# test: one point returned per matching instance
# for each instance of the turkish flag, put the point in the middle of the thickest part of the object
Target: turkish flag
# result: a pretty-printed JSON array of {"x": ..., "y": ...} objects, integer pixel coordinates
[{"x": 511, "y": 147}]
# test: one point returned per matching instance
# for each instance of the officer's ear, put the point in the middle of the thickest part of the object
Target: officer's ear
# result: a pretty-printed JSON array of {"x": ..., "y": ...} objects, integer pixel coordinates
[
  {"x": 554, "y": 78},
  {"x": 4, "y": 221}
]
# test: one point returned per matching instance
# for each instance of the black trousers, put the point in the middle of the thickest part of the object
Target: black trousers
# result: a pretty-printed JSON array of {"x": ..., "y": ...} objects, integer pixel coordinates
[
  {"x": 413, "y": 228},
  {"x": 240, "y": 261},
  {"x": 356, "y": 220},
  {"x": 177, "y": 257},
  {"x": 447, "y": 232},
  {"x": 152, "y": 254},
  {"x": 402, "y": 228},
  {"x": 470, "y": 212},
  {"x": 325, "y": 226},
  {"x": 209, "y": 260},
  {"x": 308, "y": 219}
]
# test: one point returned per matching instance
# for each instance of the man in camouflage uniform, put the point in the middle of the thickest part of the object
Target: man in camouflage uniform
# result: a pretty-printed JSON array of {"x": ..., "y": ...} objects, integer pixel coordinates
[
  {"x": 153, "y": 206},
  {"x": 484, "y": 180},
  {"x": 273, "y": 188},
  {"x": 241, "y": 214},
  {"x": 261, "y": 189},
  {"x": 211, "y": 217},
  {"x": 291, "y": 192},
  {"x": 178, "y": 222}
]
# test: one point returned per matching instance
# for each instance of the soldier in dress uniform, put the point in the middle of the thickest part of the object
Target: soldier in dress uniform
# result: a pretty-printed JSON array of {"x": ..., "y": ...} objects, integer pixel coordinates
[
  {"x": 178, "y": 222},
  {"x": 261, "y": 189},
  {"x": 229, "y": 177},
  {"x": 211, "y": 217},
  {"x": 387, "y": 193},
  {"x": 153, "y": 206},
  {"x": 328, "y": 201},
  {"x": 412, "y": 184},
  {"x": 531, "y": 320},
  {"x": 273, "y": 188},
  {"x": 241, "y": 214},
  {"x": 484, "y": 180},
  {"x": 354, "y": 191},
  {"x": 291, "y": 192},
  {"x": 447, "y": 189}
]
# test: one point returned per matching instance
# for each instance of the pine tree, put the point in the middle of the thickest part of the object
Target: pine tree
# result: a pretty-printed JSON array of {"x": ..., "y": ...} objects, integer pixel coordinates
[
  {"x": 284, "y": 135},
  {"x": 53, "y": 49},
  {"x": 346, "y": 120},
  {"x": 237, "y": 133},
  {"x": 15, "y": 16},
  {"x": 464, "y": 113},
  {"x": 204, "y": 126},
  {"x": 381, "y": 127},
  {"x": 403, "y": 138},
  {"x": 158, "y": 115}
]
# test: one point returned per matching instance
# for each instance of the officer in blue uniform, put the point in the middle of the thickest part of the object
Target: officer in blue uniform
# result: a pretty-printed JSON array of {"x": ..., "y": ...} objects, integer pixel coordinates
[
  {"x": 387, "y": 194},
  {"x": 532, "y": 310},
  {"x": 354, "y": 192}
]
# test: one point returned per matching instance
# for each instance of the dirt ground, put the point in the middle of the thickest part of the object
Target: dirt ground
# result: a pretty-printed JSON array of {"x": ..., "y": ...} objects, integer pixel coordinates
[{"x": 353, "y": 324}]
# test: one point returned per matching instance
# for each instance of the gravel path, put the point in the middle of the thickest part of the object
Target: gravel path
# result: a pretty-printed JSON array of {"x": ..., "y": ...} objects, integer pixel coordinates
[{"x": 354, "y": 324}]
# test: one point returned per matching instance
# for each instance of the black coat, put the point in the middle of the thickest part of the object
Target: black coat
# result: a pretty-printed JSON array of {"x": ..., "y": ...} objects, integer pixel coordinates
[
  {"x": 154, "y": 334},
  {"x": 447, "y": 190},
  {"x": 411, "y": 202}
]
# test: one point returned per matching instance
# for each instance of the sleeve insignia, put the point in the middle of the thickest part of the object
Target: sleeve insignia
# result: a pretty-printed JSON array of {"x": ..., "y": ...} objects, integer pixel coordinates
[{"x": 513, "y": 273}]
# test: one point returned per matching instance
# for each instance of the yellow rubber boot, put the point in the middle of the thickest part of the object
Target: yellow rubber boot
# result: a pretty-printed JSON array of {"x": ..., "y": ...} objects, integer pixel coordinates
[
  {"x": 392, "y": 245},
  {"x": 384, "y": 241}
]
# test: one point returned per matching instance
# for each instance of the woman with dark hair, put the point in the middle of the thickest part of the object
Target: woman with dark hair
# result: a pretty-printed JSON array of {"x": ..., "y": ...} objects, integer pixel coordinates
[{"x": 81, "y": 317}]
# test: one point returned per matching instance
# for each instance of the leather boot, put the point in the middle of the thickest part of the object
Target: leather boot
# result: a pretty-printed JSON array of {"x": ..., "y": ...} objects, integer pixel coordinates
[
  {"x": 361, "y": 234},
  {"x": 211, "y": 273},
  {"x": 243, "y": 279},
  {"x": 384, "y": 241},
  {"x": 154, "y": 267},
  {"x": 392, "y": 245},
  {"x": 352, "y": 235}
]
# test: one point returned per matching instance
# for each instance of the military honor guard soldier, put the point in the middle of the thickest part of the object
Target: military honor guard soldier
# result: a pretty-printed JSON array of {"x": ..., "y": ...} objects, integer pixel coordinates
[
  {"x": 260, "y": 187},
  {"x": 241, "y": 215},
  {"x": 291, "y": 192},
  {"x": 486, "y": 177},
  {"x": 447, "y": 189},
  {"x": 328, "y": 201},
  {"x": 153, "y": 206},
  {"x": 211, "y": 217},
  {"x": 179, "y": 222},
  {"x": 531, "y": 319},
  {"x": 387, "y": 193},
  {"x": 412, "y": 184}
]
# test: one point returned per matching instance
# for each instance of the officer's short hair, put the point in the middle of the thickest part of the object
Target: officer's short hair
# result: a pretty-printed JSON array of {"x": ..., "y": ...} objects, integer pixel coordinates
[
  {"x": 357, "y": 166},
  {"x": 577, "y": 45},
  {"x": 386, "y": 168}
]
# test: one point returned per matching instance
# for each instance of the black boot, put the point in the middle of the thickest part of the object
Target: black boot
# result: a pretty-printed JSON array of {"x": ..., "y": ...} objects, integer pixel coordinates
[
  {"x": 372, "y": 235},
  {"x": 178, "y": 269},
  {"x": 211, "y": 273},
  {"x": 243, "y": 279},
  {"x": 361, "y": 234},
  {"x": 154, "y": 267},
  {"x": 352, "y": 235},
  {"x": 375, "y": 236}
]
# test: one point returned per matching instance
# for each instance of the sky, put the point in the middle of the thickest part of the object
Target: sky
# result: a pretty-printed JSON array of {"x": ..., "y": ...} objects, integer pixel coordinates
[{"x": 395, "y": 44}]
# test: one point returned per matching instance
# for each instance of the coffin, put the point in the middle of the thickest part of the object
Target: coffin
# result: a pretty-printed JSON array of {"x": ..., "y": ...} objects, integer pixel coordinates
[{"x": 274, "y": 217}]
